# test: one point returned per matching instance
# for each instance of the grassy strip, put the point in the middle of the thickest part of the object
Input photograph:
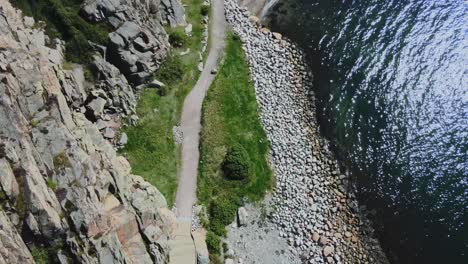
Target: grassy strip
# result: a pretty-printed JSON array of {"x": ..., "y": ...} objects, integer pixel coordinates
[
  {"x": 230, "y": 119},
  {"x": 151, "y": 149}
]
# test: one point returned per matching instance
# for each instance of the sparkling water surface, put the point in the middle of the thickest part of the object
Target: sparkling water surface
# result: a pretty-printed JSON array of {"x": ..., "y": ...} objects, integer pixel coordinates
[{"x": 391, "y": 79}]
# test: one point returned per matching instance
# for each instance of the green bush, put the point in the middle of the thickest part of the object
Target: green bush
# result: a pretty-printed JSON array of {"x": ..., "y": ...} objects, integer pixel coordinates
[
  {"x": 218, "y": 228},
  {"x": 223, "y": 209},
  {"x": 177, "y": 37},
  {"x": 213, "y": 242},
  {"x": 236, "y": 164},
  {"x": 205, "y": 10},
  {"x": 171, "y": 70}
]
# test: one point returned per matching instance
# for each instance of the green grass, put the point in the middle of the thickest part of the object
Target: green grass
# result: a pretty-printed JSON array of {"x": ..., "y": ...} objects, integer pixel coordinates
[
  {"x": 44, "y": 253},
  {"x": 151, "y": 149},
  {"x": 52, "y": 184},
  {"x": 40, "y": 255},
  {"x": 230, "y": 118}
]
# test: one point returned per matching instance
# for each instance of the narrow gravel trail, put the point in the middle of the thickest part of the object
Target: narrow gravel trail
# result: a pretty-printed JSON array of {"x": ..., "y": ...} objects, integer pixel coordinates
[
  {"x": 191, "y": 114},
  {"x": 182, "y": 245}
]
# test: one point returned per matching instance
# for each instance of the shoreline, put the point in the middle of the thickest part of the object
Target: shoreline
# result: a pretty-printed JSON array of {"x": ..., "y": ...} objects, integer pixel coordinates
[{"x": 317, "y": 210}]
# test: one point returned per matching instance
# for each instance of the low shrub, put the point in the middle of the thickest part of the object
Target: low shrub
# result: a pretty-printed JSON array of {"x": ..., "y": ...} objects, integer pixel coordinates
[
  {"x": 223, "y": 209},
  {"x": 61, "y": 160},
  {"x": 205, "y": 10},
  {"x": 215, "y": 259},
  {"x": 218, "y": 228},
  {"x": 163, "y": 91},
  {"x": 40, "y": 255},
  {"x": 236, "y": 164},
  {"x": 177, "y": 37},
  {"x": 213, "y": 242},
  {"x": 171, "y": 70},
  {"x": 236, "y": 38}
]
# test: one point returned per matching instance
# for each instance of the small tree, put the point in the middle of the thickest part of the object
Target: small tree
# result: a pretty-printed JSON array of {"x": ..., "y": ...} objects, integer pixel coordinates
[{"x": 236, "y": 164}]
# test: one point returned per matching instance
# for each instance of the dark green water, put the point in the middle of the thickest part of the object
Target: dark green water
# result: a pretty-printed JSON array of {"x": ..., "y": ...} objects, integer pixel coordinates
[{"x": 391, "y": 79}]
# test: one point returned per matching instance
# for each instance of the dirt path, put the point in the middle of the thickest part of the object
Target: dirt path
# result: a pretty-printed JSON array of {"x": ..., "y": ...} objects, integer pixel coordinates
[
  {"x": 191, "y": 114},
  {"x": 182, "y": 246}
]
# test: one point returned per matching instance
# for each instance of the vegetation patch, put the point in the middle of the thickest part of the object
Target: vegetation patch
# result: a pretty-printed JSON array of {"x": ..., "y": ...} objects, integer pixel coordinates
[
  {"x": 46, "y": 253},
  {"x": 205, "y": 10},
  {"x": 234, "y": 148},
  {"x": 213, "y": 242},
  {"x": 151, "y": 149},
  {"x": 171, "y": 71},
  {"x": 177, "y": 37},
  {"x": 236, "y": 164},
  {"x": 63, "y": 21},
  {"x": 61, "y": 161},
  {"x": 40, "y": 255},
  {"x": 34, "y": 123},
  {"x": 52, "y": 184}
]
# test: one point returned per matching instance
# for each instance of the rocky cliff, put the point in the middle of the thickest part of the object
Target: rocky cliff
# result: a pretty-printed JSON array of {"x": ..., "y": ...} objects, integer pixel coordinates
[
  {"x": 63, "y": 189},
  {"x": 139, "y": 42}
]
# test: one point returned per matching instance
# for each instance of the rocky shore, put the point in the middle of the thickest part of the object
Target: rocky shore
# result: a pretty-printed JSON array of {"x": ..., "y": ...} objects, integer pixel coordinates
[
  {"x": 316, "y": 208},
  {"x": 255, "y": 239}
]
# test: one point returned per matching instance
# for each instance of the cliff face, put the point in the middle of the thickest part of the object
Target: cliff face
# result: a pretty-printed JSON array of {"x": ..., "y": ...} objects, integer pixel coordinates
[
  {"x": 139, "y": 42},
  {"x": 62, "y": 186}
]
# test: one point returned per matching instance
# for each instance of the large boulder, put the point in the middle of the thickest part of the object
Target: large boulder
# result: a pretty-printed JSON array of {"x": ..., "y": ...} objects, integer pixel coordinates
[
  {"x": 173, "y": 12},
  {"x": 119, "y": 92},
  {"x": 98, "y": 10},
  {"x": 199, "y": 238},
  {"x": 242, "y": 216}
]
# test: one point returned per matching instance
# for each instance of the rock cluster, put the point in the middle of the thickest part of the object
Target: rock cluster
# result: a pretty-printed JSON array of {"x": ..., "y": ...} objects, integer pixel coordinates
[
  {"x": 139, "y": 42},
  {"x": 177, "y": 134},
  {"x": 206, "y": 30},
  {"x": 204, "y": 41},
  {"x": 61, "y": 181},
  {"x": 317, "y": 212},
  {"x": 257, "y": 241}
]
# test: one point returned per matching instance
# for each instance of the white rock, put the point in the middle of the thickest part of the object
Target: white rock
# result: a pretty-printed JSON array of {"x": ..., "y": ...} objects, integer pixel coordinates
[{"x": 242, "y": 216}]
